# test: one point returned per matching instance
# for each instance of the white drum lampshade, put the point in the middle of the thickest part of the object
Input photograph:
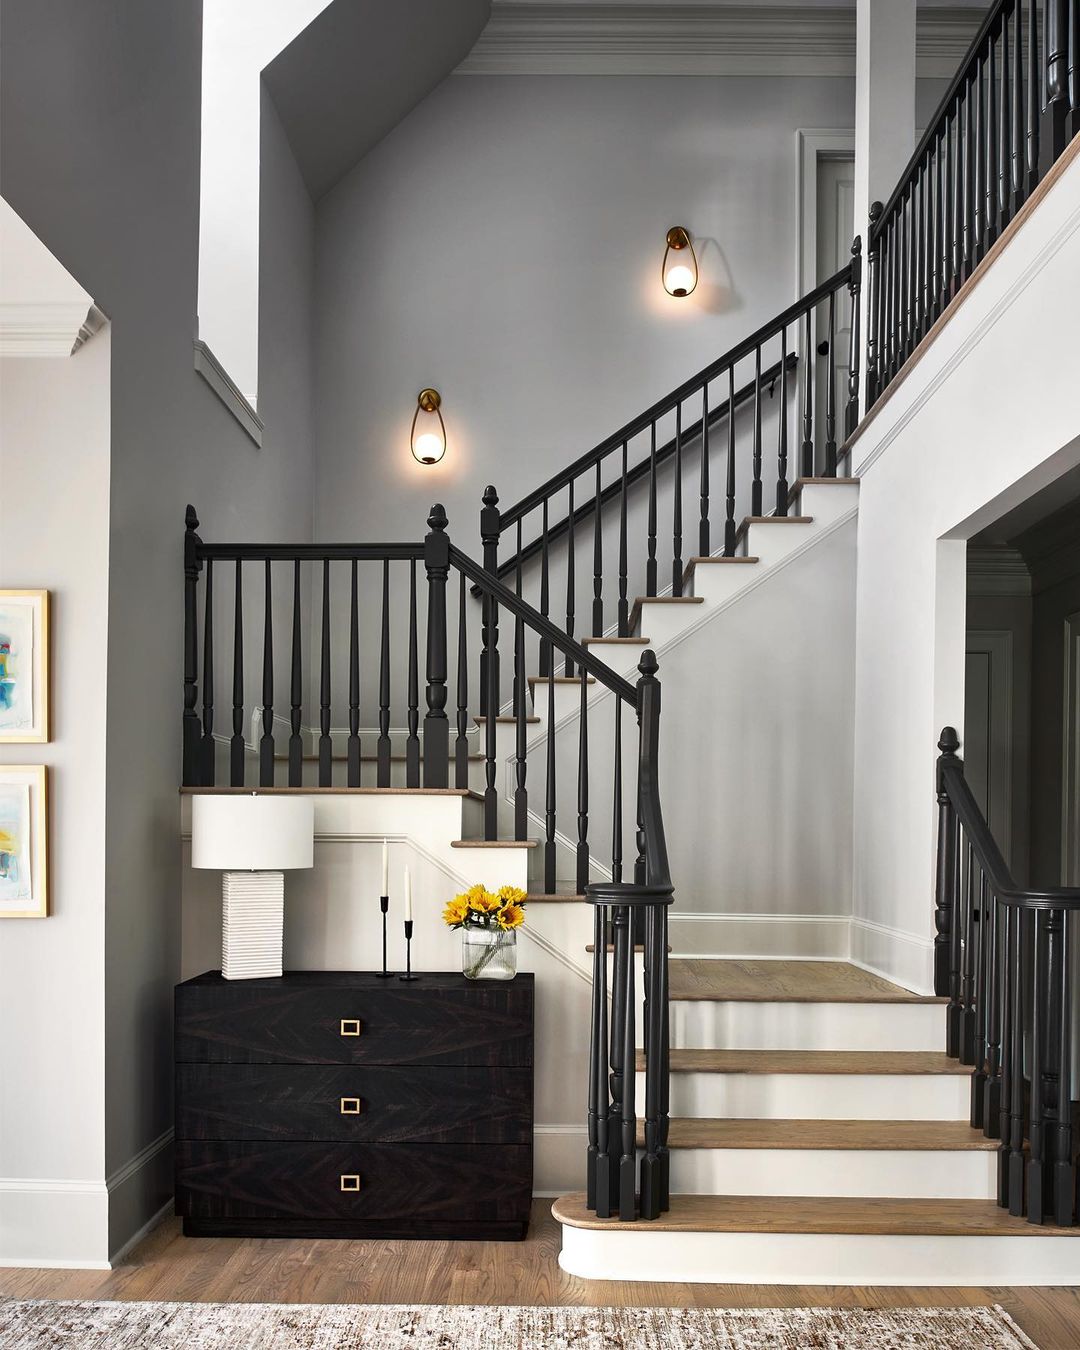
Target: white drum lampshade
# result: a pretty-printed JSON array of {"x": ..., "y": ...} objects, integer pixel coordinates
[{"x": 253, "y": 839}]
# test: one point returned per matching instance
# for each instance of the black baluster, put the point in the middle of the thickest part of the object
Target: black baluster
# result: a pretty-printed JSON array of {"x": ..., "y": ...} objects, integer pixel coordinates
[
  {"x": 1011, "y": 1188},
  {"x": 1010, "y": 1167},
  {"x": 979, "y": 216},
  {"x": 489, "y": 665},
  {"x": 490, "y": 529},
  {"x": 547, "y": 664},
  {"x": 676, "y": 519},
  {"x": 628, "y": 1160},
  {"x": 1016, "y": 176},
  {"x": 945, "y": 897},
  {"x": 521, "y": 796},
  {"x": 782, "y": 418},
  {"x": 830, "y": 393},
  {"x": 997, "y": 1029},
  {"x": 266, "y": 741},
  {"x": 992, "y": 183},
  {"x": 192, "y": 567},
  {"x": 971, "y": 158},
  {"x": 875, "y": 309},
  {"x": 206, "y": 747},
  {"x": 617, "y": 799},
  {"x": 978, "y": 1078},
  {"x": 600, "y": 1064},
  {"x": 624, "y": 601},
  {"x": 582, "y": 870},
  {"x": 296, "y": 694},
  {"x": 353, "y": 752},
  {"x": 704, "y": 534},
  {"x": 1057, "y": 52},
  {"x": 412, "y": 716},
  {"x": 806, "y": 467},
  {"x": 598, "y": 561},
  {"x": 597, "y": 1058},
  {"x": 851, "y": 418},
  {"x": 436, "y": 723},
  {"x": 382, "y": 745},
  {"x": 755, "y": 488},
  {"x": 969, "y": 963},
  {"x": 549, "y": 806},
  {"x": 571, "y": 580},
  {"x": 326, "y": 748},
  {"x": 1063, "y": 1174},
  {"x": 1034, "y": 99},
  {"x": 1004, "y": 168},
  {"x": 620, "y": 940},
  {"x": 461, "y": 743},
  {"x": 939, "y": 225},
  {"x": 236, "y": 743},
  {"x": 650, "y": 565},
  {"x": 729, "y": 489}
]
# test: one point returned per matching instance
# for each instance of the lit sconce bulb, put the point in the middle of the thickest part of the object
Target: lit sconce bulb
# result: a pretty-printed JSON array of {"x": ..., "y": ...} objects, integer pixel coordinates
[
  {"x": 428, "y": 435},
  {"x": 679, "y": 269}
]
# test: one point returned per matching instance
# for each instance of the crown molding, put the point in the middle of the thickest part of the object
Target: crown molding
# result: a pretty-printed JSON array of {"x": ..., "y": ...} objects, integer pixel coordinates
[
  {"x": 997, "y": 570},
  {"x": 46, "y": 328},
  {"x": 534, "y": 38}
]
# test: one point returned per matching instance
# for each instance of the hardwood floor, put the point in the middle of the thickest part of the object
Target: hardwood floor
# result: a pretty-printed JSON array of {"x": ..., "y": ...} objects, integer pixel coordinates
[
  {"x": 169, "y": 1267},
  {"x": 784, "y": 981}
]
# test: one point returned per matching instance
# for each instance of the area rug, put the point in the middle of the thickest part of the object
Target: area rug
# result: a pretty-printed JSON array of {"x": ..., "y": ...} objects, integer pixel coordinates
[{"x": 43, "y": 1325}]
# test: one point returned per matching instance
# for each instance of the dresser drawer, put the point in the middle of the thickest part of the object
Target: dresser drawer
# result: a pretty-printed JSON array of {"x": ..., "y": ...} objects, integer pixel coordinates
[
  {"x": 320, "y": 1018},
  {"x": 446, "y": 1183},
  {"x": 372, "y": 1102}
]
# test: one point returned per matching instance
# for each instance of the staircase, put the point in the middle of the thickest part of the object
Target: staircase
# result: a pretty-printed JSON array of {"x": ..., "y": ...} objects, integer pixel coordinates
[{"x": 819, "y": 1135}]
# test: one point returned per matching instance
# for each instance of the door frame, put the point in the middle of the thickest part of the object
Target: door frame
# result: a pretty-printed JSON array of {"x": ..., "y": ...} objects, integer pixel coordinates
[
  {"x": 1070, "y": 755},
  {"x": 811, "y": 145}
]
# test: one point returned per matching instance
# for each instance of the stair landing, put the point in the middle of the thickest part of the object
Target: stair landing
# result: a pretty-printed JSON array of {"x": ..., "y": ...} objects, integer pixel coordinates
[{"x": 784, "y": 982}]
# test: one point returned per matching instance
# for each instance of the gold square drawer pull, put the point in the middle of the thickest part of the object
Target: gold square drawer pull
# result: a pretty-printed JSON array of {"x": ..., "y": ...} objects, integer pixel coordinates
[
  {"x": 350, "y": 1106},
  {"x": 350, "y": 1181},
  {"x": 350, "y": 1026}
]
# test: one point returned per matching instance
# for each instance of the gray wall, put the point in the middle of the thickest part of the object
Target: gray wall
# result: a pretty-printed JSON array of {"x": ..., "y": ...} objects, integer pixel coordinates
[
  {"x": 1051, "y": 608},
  {"x": 100, "y": 157}
]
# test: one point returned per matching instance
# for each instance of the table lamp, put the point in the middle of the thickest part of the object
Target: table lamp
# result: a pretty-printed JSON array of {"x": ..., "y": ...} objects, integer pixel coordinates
[{"x": 253, "y": 839}]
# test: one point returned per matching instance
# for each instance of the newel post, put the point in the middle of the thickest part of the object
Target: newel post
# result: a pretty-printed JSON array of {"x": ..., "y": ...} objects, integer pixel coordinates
[
  {"x": 851, "y": 415},
  {"x": 490, "y": 529},
  {"x": 192, "y": 731},
  {"x": 436, "y": 724},
  {"x": 873, "y": 307},
  {"x": 946, "y": 926}
]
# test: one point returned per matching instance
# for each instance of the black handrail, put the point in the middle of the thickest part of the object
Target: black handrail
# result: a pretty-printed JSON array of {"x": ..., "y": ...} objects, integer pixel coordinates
[
  {"x": 1002, "y": 957},
  {"x": 670, "y": 401}
]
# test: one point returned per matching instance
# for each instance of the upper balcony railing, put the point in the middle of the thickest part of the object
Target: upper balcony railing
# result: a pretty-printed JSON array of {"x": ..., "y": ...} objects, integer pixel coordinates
[{"x": 1006, "y": 117}]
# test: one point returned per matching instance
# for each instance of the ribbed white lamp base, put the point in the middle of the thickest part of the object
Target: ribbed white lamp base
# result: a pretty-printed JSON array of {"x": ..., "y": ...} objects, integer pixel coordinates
[{"x": 252, "y": 924}]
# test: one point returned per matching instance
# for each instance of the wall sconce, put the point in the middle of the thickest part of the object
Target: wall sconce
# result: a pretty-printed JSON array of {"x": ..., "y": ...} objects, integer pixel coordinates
[
  {"x": 679, "y": 268},
  {"x": 428, "y": 435}
]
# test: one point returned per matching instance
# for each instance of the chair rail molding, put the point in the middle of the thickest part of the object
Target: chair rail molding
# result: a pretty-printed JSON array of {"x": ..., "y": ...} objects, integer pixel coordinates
[{"x": 529, "y": 38}]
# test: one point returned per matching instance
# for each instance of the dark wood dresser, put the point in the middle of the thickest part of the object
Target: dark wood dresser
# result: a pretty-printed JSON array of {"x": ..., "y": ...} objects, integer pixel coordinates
[{"x": 326, "y": 1104}]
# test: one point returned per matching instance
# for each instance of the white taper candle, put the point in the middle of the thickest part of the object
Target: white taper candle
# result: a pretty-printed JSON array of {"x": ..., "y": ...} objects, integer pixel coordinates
[
  {"x": 408, "y": 896},
  {"x": 385, "y": 867}
]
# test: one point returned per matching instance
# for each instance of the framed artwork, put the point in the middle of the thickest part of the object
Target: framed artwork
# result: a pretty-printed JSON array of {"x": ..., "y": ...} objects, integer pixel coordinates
[
  {"x": 24, "y": 882},
  {"x": 24, "y": 666}
]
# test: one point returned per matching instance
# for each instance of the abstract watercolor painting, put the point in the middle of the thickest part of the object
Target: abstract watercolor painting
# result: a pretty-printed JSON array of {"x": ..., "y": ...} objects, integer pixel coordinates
[
  {"x": 23, "y": 851},
  {"x": 24, "y": 666}
]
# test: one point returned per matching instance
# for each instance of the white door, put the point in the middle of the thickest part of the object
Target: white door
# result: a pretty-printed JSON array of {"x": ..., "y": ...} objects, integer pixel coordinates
[{"x": 835, "y": 231}]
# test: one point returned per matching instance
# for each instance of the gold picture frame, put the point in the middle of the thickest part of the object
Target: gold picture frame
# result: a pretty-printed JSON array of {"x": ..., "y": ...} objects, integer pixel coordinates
[
  {"x": 24, "y": 841},
  {"x": 24, "y": 667}
]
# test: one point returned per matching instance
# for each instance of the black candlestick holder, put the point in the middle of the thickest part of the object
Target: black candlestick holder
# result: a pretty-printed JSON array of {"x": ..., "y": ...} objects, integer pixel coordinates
[
  {"x": 408, "y": 976},
  {"x": 384, "y": 905}
]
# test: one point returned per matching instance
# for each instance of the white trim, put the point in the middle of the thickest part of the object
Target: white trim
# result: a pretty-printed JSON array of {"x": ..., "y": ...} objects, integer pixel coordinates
[
  {"x": 219, "y": 380},
  {"x": 904, "y": 958},
  {"x": 50, "y": 1186},
  {"x": 45, "y": 329},
  {"x": 997, "y": 571},
  {"x": 811, "y": 146},
  {"x": 760, "y": 937},
  {"x": 139, "y": 1160},
  {"x": 530, "y": 38},
  {"x": 953, "y": 362}
]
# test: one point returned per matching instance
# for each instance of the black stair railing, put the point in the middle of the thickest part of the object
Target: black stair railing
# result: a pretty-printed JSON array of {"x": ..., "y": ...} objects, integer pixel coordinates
[
  {"x": 626, "y": 908},
  {"x": 1003, "y": 958},
  {"x": 656, "y": 459},
  {"x": 1007, "y": 115}
]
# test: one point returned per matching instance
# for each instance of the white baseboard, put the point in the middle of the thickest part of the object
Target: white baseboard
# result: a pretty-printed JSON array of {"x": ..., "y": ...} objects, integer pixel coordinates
[
  {"x": 808, "y": 937},
  {"x": 558, "y": 1159},
  {"x": 904, "y": 958}
]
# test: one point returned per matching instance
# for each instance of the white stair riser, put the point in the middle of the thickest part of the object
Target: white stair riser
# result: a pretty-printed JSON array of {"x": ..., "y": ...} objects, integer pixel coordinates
[
  {"x": 636, "y": 1253},
  {"x": 819, "y": 1096},
  {"x": 827, "y": 502},
  {"x": 718, "y": 582},
  {"x": 567, "y": 704},
  {"x": 770, "y": 543},
  {"x": 708, "y": 1024},
  {"x": 918, "y": 1174},
  {"x": 665, "y": 622}
]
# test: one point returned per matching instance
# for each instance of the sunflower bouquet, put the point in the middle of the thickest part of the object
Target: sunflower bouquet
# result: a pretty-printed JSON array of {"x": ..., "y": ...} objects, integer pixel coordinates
[{"x": 488, "y": 920}]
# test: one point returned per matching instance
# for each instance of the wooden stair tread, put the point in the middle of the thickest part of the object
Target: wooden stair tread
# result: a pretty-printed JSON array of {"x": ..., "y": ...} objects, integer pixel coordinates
[
  {"x": 560, "y": 679},
  {"x": 815, "y": 1061},
  {"x": 819, "y": 1214},
  {"x": 547, "y": 897},
  {"x": 797, "y": 487},
  {"x": 741, "y": 532},
  {"x": 254, "y": 789},
  {"x": 495, "y": 843},
  {"x": 638, "y": 947},
  {"x": 506, "y": 721},
  {"x": 626, "y": 641},
  {"x": 694, "y": 978},
  {"x": 864, "y": 1135},
  {"x": 669, "y": 600},
  {"x": 742, "y": 558}
]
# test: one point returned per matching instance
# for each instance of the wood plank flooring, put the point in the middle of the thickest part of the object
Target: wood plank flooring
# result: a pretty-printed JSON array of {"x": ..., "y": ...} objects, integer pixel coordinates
[
  {"x": 168, "y": 1266},
  {"x": 784, "y": 982},
  {"x": 814, "y": 1061},
  {"x": 869, "y": 1135}
]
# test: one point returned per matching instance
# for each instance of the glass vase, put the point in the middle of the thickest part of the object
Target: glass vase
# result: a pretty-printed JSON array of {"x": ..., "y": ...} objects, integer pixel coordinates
[{"x": 488, "y": 954}]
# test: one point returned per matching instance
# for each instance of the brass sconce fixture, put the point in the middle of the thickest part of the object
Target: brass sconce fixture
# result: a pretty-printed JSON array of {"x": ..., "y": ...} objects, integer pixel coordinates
[
  {"x": 428, "y": 435},
  {"x": 679, "y": 269}
]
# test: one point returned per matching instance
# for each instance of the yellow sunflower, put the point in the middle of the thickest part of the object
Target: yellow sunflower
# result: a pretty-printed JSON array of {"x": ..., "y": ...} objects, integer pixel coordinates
[
  {"x": 511, "y": 895},
  {"x": 510, "y": 916},
  {"x": 455, "y": 911},
  {"x": 481, "y": 900}
]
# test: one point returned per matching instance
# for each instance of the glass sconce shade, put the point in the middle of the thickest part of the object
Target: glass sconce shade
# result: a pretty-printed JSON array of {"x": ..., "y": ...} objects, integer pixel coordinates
[
  {"x": 679, "y": 269},
  {"x": 428, "y": 435}
]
